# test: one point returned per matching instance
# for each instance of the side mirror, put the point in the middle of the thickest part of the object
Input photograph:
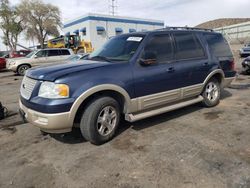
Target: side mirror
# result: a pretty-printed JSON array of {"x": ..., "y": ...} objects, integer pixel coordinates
[
  {"x": 35, "y": 56},
  {"x": 148, "y": 58}
]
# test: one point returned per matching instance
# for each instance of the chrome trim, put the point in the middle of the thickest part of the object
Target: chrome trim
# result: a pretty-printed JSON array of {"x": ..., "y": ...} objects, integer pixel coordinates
[
  {"x": 135, "y": 117},
  {"x": 27, "y": 87}
]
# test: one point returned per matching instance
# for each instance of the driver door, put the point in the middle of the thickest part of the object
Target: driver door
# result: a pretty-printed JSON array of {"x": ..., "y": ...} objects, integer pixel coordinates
[
  {"x": 40, "y": 58},
  {"x": 159, "y": 83}
]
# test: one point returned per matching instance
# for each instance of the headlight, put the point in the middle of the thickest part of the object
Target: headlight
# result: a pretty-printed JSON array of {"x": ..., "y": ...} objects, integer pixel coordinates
[
  {"x": 51, "y": 90},
  {"x": 247, "y": 62}
]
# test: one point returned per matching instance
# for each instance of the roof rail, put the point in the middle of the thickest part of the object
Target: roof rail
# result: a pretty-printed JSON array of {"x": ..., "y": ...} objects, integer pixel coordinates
[{"x": 186, "y": 28}]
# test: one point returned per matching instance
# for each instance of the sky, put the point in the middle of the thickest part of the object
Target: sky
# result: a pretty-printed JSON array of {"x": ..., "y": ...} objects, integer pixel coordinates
[{"x": 173, "y": 12}]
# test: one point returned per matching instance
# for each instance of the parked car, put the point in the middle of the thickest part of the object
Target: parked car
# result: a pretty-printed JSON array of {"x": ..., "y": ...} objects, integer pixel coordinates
[
  {"x": 137, "y": 75},
  {"x": 246, "y": 65},
  {"x": 77, "y": 57},
  {"x": 40, "y": 57},
  {"x": 2, "y": 63},
  {"x": 245, "y": 51},
  {"x": 20, "y": 53}
]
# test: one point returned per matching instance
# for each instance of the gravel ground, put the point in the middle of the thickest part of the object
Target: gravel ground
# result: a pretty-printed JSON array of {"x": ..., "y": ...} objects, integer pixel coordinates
[{"x": 190, "y": 147}]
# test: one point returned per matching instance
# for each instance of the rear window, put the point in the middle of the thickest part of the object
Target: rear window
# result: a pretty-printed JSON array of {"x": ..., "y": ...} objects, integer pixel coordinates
[
  {"x": 188, "y": 46},
  {"x": 65, "y": 52},
  {"x": 53, "y": 53},
  {"x": 219, "y": 47}
]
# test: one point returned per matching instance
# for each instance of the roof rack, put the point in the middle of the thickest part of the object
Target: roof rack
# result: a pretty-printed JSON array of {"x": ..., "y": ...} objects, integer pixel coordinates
[{"x": 186, "y": 28}]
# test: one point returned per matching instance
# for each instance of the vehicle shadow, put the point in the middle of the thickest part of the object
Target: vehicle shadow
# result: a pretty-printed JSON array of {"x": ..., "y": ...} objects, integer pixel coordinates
[
  {"x": 225, "y": 94},
  {"x": 151, "y": 121},
  {"x": 73, "y": 137}
]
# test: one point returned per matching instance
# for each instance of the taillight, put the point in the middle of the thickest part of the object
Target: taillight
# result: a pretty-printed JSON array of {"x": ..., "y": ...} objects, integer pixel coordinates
[{"x": 232, "y": 65}]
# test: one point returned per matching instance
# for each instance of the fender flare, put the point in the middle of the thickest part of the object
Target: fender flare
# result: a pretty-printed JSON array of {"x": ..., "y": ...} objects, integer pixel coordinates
[{"x": 94, "y": 90}]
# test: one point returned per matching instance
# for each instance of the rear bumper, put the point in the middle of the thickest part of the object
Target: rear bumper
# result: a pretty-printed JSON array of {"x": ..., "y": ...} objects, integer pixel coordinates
[
  {"x": 227, "y": 81},
  {"x": 50, "y": 123}
]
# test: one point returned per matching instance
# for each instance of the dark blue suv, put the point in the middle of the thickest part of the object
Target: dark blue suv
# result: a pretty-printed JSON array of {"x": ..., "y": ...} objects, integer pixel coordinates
[{"x": 137, "y": 75}]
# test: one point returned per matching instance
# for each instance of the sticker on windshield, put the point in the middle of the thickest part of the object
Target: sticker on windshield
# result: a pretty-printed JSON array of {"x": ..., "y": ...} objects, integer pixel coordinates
[{"x": 136, "y": 39}]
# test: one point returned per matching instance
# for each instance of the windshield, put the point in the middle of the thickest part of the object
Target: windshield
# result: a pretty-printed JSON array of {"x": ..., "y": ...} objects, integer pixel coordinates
[
  {"x": 31, "y": 54},
  {"x": 120, "y": 48}
]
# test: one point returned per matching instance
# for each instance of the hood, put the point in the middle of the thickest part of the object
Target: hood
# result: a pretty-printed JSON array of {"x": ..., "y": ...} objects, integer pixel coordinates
[
  {"x": 52, "y": 72},
  {"x": 17, "y": 58}
]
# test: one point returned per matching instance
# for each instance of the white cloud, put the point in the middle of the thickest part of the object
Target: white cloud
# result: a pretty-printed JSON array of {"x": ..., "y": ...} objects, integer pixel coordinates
[{"x": 173, "y": 12}]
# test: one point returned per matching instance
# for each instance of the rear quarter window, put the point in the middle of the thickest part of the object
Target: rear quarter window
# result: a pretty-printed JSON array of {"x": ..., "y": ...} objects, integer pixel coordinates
[
  {"x": 218, "y": 46},
  {"x": 188, "y": 46}
]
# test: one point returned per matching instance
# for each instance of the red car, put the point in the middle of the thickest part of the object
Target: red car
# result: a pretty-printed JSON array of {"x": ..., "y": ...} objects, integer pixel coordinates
[
  {"x": 20, "y": 53},
  {"x": 2, "y": 63}
]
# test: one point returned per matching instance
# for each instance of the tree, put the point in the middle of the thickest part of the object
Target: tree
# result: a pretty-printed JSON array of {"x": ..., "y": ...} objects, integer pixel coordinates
[
  {"x": 40, "y": 19},
  {"x": 10, "y": 24}
]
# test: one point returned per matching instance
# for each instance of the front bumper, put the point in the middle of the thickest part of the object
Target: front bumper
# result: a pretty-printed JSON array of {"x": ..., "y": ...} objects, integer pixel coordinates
[
  {"x": 50, "y": 123},
  {"x": 11, "y": 67}
]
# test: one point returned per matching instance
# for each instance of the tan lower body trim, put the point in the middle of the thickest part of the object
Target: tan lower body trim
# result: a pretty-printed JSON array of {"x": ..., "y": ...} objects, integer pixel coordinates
[
  {"x": 164, "y": 98},
  {"x": 51, "y": 123}
]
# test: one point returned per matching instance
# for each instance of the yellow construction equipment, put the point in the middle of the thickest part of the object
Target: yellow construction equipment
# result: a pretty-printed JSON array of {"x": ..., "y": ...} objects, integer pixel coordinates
[{"x": 71, "y": 41}]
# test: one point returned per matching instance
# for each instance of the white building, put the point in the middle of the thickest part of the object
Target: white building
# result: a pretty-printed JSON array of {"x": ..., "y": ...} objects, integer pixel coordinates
[
  {"x": 237, "y": 32},
  {"x": 97, "y": 28}
]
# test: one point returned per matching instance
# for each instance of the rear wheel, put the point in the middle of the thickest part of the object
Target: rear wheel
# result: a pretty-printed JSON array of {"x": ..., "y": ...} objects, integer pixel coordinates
[
  {"x": 100, "y": 120},
  {"x": 211, "y": 93},
  {"x": 22, "y": 69}
]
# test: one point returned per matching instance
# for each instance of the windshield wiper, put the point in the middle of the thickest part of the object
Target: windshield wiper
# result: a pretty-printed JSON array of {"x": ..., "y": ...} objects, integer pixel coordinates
[{"x": 101, "y": 58}]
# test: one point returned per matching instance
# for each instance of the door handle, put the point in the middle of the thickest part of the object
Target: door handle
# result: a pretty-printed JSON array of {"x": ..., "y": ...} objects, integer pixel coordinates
[
  {"x": 205, "y": 64},
  {"x": 170, "y": 69}
]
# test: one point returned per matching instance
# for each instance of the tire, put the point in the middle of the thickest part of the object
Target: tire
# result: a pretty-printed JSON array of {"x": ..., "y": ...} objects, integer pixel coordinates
[
  {"x": 211, "y": 93},
  {"x": 100, "y": 120},
  {"x": 22, "y": 69}
]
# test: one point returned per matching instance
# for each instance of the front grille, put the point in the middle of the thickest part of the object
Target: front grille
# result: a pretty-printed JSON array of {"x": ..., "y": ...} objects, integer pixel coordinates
[{"x": 27, "y": 87}]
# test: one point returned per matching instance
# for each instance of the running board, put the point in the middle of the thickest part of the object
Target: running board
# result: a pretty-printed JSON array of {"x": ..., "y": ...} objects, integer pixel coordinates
[{"x": 136, "y": 117}]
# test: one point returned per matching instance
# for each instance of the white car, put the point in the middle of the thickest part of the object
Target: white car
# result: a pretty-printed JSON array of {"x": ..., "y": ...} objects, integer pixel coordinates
[{"x": 40, "y": 57}]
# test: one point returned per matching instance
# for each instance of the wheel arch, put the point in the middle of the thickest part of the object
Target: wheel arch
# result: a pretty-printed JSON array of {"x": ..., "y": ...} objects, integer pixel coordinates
[
  {"x": 111, "y": 90},
  {"x": 218, "y": 74},
  {"x": 18, "y": 66},
  {"x": 23, "y": 64}
]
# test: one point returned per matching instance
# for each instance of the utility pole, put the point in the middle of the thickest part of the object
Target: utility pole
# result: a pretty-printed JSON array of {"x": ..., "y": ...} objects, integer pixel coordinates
[{"x": 113, "y": 7}]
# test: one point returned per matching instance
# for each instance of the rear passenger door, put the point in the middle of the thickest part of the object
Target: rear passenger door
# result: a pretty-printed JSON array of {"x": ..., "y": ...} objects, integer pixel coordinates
[
  {"x": 53, "y": 56},
  {"x": 191, "y": 60}
]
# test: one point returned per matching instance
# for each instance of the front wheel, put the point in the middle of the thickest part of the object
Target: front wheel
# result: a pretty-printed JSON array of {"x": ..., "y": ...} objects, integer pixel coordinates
[
  {"x": 22, "y": 69},
  {"x": 100, "y": 120},
  {"x": 211, "y": 93}
]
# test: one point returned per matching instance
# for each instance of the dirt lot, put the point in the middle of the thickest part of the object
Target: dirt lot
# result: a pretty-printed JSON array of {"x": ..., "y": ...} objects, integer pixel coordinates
[{"x": 190, "y": 147}]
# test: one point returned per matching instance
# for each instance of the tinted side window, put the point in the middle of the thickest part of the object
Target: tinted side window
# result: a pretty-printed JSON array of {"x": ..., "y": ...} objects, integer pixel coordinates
[
  {"x": 188, "y": 46},
  {"x": 54, "y": 53},
  {"x": 65, "y": 52},
  {"x": 161, "y": 45},
  {"x": 218, "y": 45}
]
